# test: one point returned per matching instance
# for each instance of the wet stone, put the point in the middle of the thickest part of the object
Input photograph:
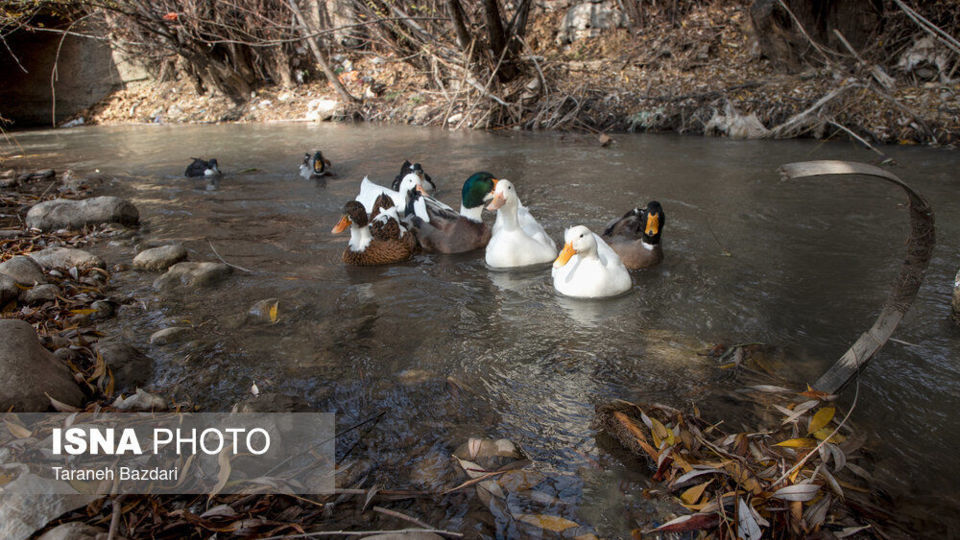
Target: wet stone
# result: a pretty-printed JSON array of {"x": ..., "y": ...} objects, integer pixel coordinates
[
  {"x": 29, "y": 372},
  {"x": 23, "y": 270},
  {"x": 74, "y": 530},
  {"x": 8, "y": 290},
  {"x": 159, "y": 258},
  {"x": 192, "y": 274},
  {"x": 73, "y": 214},
  {"x": 130, "y": 367},
  {"x": 61, "y": 258},
  {"x": 41, "y": 293}
]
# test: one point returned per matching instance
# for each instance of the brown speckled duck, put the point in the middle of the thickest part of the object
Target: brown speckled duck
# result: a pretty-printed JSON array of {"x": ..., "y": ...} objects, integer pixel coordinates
[
  {"x": 385, "y": 243},
  {"x": 636, "y": 236}
]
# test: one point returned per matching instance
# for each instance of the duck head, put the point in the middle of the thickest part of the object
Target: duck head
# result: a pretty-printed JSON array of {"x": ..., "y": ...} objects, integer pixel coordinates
[
  {"x": 318, "y": 162},
  {"x": 578, "y": 240},
  {"x": 353, "y": 214},
  {"x": 652, "y": 219},
  {"x": 503, "y": 194},
  {"x": 212, "y": 168},
  {"x": 477, "y": 191}
]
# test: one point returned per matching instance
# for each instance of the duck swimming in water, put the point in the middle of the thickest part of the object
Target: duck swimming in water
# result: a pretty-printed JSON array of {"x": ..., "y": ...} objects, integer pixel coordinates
[
  {"x": 414, "y": 168},
  {"x": 449, "y": 232},
  {"x": 636, "y": 236},
  {"x": 391, "y": 243},
  {"x": 201, "y": 167},
  {"x": 515, "y": 242},
  {"x": 588, "y": 268},
  {"x": 315, "y": 166}
]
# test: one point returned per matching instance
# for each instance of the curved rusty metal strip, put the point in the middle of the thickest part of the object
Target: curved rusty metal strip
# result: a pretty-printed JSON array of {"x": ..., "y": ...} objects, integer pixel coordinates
[{"x": 919, "y": 250}]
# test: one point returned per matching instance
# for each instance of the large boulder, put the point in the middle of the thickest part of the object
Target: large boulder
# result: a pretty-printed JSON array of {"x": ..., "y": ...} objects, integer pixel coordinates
[
  {"x": 23, "y": 270},
  {"x": 61, "y": 258},
  {"x": 589, "y": 19},
  {"x": 29, "y": 372},
  {"x": 71, "y": 214},
  {"x": 192, "y": 274},
  {"x": 160, "y": 258}
]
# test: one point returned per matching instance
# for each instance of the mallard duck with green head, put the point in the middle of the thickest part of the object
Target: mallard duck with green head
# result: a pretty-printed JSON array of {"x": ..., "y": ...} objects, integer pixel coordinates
[{"x": 446, "y": 231}]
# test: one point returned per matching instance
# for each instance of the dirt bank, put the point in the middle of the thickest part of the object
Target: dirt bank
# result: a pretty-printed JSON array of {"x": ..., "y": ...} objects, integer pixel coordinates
[{"x": 703, "y": 75}]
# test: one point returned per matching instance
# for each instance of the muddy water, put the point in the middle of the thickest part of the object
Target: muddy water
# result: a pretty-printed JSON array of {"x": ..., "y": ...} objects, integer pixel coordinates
[{"x": 802, "y": 265}]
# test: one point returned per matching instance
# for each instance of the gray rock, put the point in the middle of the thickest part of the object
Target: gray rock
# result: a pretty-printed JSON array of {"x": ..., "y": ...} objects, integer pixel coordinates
[
  {"x": 67, "y": 213},
  {"x": 75, "y": 530},
  {"x": 42, "y": 174},
  {"x": 131, "y": 368},
  {"x": 173, "y": 334},
  {"x": 8, "y": 290},
  {"x": 41, "y": 293},
  {"x": 272, "y": 402},
  {"x": 192, "y": 274},
  {"x": 23, "y": 270},
  {"x": 159, "y": 258},
  {"x": 28, "y": 371},
  {"x": 589, "y": 19},
  {"x": 61, "y": 258}
]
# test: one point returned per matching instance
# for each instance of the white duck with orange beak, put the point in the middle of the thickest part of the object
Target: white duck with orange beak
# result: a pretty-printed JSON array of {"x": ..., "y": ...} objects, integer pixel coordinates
[
  {"x": 588, "y": 268},
  {"x": 515, "y": 243},
  {"x": 369, "y": 191}
]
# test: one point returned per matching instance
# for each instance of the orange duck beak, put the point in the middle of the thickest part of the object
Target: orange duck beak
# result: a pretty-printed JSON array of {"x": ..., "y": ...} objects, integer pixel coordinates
[
  {"x": 565, "y": 255},
  {"x": 341, "y": 225},
  {"x": 653, "y": 224},
  {"x": 498, "y": 201}
]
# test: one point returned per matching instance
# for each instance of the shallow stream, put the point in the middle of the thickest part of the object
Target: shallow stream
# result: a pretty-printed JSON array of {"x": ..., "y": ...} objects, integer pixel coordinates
[{"x": 802, "y": 265}]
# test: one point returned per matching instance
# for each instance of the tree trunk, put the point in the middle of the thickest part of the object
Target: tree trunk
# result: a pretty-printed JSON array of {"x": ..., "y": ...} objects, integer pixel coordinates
[
  {"x": 315, "y": 49},
  {"x": 778, "y": 26}
]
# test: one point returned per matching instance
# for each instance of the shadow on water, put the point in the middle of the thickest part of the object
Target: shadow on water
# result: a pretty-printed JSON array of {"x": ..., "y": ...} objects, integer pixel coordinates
[{"x": 452, "y": 349}]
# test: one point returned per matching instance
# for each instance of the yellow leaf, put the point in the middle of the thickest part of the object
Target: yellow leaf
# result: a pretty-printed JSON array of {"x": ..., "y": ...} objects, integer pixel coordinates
[
  {"x": 548, "y": 522},
  {"x": 820, "y": 420},
  {"x": 823, "y": 433},
  {"x": 805, "y": 442},
  {"x": 273, "y": 312},
  {"x": 223, "y": 474},
  {"x": 17, "y": 430},
  {"x": 692, "y": 495},
  {"x": 661, "y": 433}
]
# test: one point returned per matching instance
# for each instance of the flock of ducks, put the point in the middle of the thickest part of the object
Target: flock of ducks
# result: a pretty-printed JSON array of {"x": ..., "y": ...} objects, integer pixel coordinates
[{"x": 391, "y": 224}]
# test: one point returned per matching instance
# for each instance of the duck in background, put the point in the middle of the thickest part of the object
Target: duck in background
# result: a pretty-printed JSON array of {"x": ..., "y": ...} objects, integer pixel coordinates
[
  {"x": 446, "y": 231},
  {"x": 201, "y": 167},
  {"x": 636, "y": 236},
  {"x": 366, "y": 249},
  {"x": 415, "y": 168},
  {"x": 315, "y": 166},
  {"x": 516, "y": 241},
  {"x": 588, "y": 268}
]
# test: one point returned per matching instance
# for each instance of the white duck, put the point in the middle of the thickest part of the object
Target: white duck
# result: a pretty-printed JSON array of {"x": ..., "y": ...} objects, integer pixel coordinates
[
  {"x": 515, "y": 243},
  {"x": 369, "y": 191},
  {"x": 589, "y": 268}
]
